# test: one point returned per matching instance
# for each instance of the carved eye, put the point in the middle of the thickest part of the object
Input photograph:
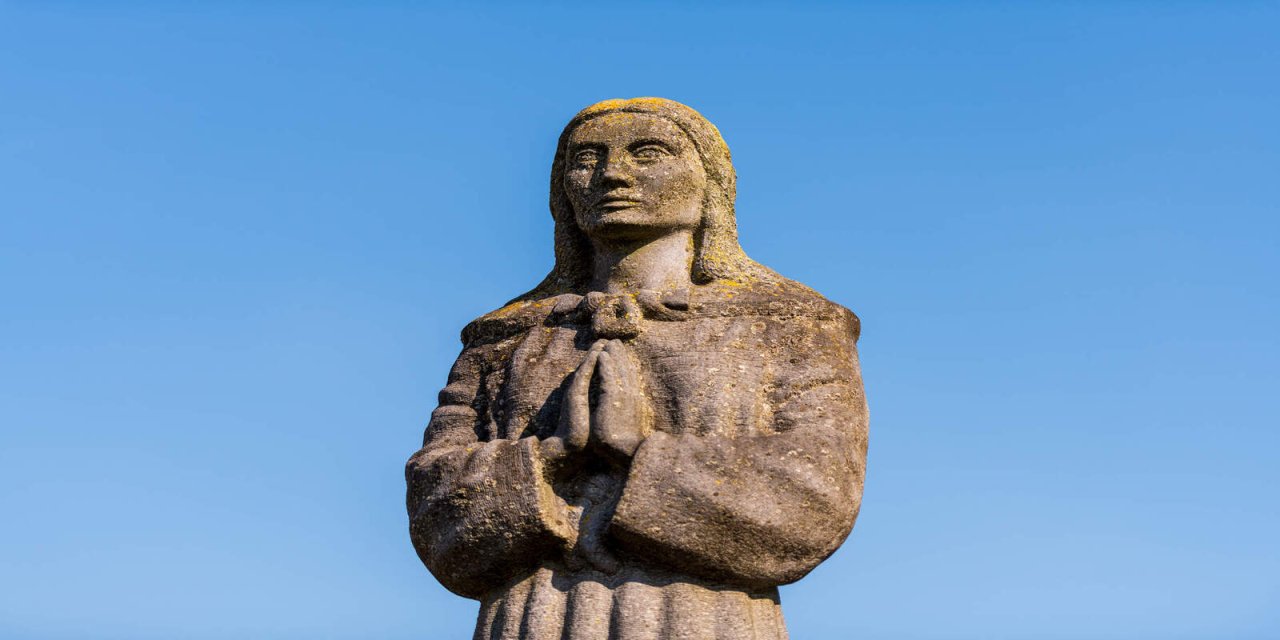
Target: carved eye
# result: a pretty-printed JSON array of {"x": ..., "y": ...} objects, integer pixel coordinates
[
  {"x": 650, "y": 152},
  {"x": 586, "y": 157}
]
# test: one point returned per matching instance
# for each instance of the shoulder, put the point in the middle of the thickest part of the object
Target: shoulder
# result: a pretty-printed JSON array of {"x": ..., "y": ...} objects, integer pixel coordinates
[
  {"x": 516, "y": 318},
  {"x": 774, "y": 296}
]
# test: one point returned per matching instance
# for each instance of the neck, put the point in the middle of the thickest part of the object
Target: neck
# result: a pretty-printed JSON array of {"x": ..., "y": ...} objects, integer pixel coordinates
[{"x": 661, "y": 264}]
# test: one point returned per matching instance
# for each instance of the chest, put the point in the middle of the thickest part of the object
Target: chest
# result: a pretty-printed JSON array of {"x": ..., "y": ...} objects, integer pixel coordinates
[{"x": 704, "y": 375}]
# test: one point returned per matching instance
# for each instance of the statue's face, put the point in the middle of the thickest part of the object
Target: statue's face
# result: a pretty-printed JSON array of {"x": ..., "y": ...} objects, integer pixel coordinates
[{"x": 631, "y": 176}]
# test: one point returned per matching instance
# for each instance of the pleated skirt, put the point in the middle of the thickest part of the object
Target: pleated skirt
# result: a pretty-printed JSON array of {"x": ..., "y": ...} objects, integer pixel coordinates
[{"x": 559, "y": 604}]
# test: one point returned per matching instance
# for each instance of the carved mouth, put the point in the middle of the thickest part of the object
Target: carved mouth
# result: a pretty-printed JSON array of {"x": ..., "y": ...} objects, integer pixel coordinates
[{"x": 615, "y": 204}]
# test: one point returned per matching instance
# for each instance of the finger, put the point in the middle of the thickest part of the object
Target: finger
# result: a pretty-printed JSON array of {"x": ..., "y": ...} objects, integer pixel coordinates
[
  {"x": 625, "y": 367},
  {"x": 628, "y": 367},
  {"x": 576, "y": 410},
  {"x": 607, "y": 367},
  {"x": 582, "y": 377},
  {"x": 579, "y": 389},
  {"x": 616, "y": 348},
  {"x": 552, "y": 449},
  {"x": 627, "y": 399}
]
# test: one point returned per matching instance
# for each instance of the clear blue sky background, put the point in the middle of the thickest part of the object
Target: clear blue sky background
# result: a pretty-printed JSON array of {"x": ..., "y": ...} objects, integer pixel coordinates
[{"x": 238, "y": 241}]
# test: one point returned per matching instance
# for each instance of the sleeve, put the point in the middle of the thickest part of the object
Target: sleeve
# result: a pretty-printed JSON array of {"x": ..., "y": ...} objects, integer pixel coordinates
[
  {"x": 760, "y": 510},
  {"x": 480, "y": 510}
]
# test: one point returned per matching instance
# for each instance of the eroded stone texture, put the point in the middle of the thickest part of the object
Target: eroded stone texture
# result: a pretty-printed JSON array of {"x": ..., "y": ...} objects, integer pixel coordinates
[{"x": 661, "y": 433}]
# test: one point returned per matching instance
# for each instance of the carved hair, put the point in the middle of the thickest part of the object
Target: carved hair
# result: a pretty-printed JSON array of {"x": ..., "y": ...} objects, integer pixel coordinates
[{"x": 716, "y": 252}]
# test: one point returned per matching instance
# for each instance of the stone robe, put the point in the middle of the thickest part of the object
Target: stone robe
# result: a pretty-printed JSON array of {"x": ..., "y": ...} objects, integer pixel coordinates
[{"x": 752, "y": 476}]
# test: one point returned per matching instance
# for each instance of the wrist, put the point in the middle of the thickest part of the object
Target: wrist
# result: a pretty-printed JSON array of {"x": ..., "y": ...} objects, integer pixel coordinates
[
  {"x": 551, "y": 450},
  {"x": 557, "y": 458}
]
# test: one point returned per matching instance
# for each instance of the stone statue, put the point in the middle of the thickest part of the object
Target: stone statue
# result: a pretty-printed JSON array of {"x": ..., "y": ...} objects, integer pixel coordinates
[{"x": 662, "y": 432}]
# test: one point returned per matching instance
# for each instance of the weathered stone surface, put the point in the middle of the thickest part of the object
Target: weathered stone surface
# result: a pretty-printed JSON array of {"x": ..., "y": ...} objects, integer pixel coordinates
[{"x": 661, "y": 433}]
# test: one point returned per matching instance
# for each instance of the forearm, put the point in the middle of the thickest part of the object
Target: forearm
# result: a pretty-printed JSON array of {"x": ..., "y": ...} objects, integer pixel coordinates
[
  {"x": 481, "y": 511},
  {"x": 758, "y": 511}
]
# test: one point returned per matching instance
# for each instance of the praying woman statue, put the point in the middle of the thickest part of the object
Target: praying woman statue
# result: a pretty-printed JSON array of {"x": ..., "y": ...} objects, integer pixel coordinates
[{"x": 662, "y": 432}]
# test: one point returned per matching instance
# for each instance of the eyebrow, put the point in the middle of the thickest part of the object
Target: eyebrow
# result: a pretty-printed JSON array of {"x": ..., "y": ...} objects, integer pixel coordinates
[
  {"x": 644, "y": 141},
  {"x": 573, "y": 147}
]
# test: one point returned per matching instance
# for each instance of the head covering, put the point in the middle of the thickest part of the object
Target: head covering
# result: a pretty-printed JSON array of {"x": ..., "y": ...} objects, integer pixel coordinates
[{"x": 717, "y": 254}]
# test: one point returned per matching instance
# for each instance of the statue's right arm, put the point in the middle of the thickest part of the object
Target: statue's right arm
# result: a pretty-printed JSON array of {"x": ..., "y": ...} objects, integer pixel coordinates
[{"x": 480, "y": 508}]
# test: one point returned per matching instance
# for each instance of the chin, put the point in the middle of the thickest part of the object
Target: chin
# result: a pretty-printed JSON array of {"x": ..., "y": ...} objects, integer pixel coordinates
[
  {"x": 626, "y": 230},
  {"x": 629, "y": 224}
]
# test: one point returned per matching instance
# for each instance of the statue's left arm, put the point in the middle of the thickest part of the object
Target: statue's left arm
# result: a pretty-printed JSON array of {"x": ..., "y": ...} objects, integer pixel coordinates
[{"x": 760, "y": 510}]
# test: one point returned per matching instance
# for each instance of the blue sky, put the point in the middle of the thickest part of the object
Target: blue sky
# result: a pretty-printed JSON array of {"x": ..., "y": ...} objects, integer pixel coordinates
[{"x": 238, "y": 241}]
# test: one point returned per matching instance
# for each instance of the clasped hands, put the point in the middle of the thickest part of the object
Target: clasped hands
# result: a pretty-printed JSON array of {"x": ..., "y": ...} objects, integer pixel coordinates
[{"x": 604, "y": 408}]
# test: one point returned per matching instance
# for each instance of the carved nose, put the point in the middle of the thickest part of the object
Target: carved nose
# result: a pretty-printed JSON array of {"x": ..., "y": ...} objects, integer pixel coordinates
[{"x": 615, "y": 173}]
